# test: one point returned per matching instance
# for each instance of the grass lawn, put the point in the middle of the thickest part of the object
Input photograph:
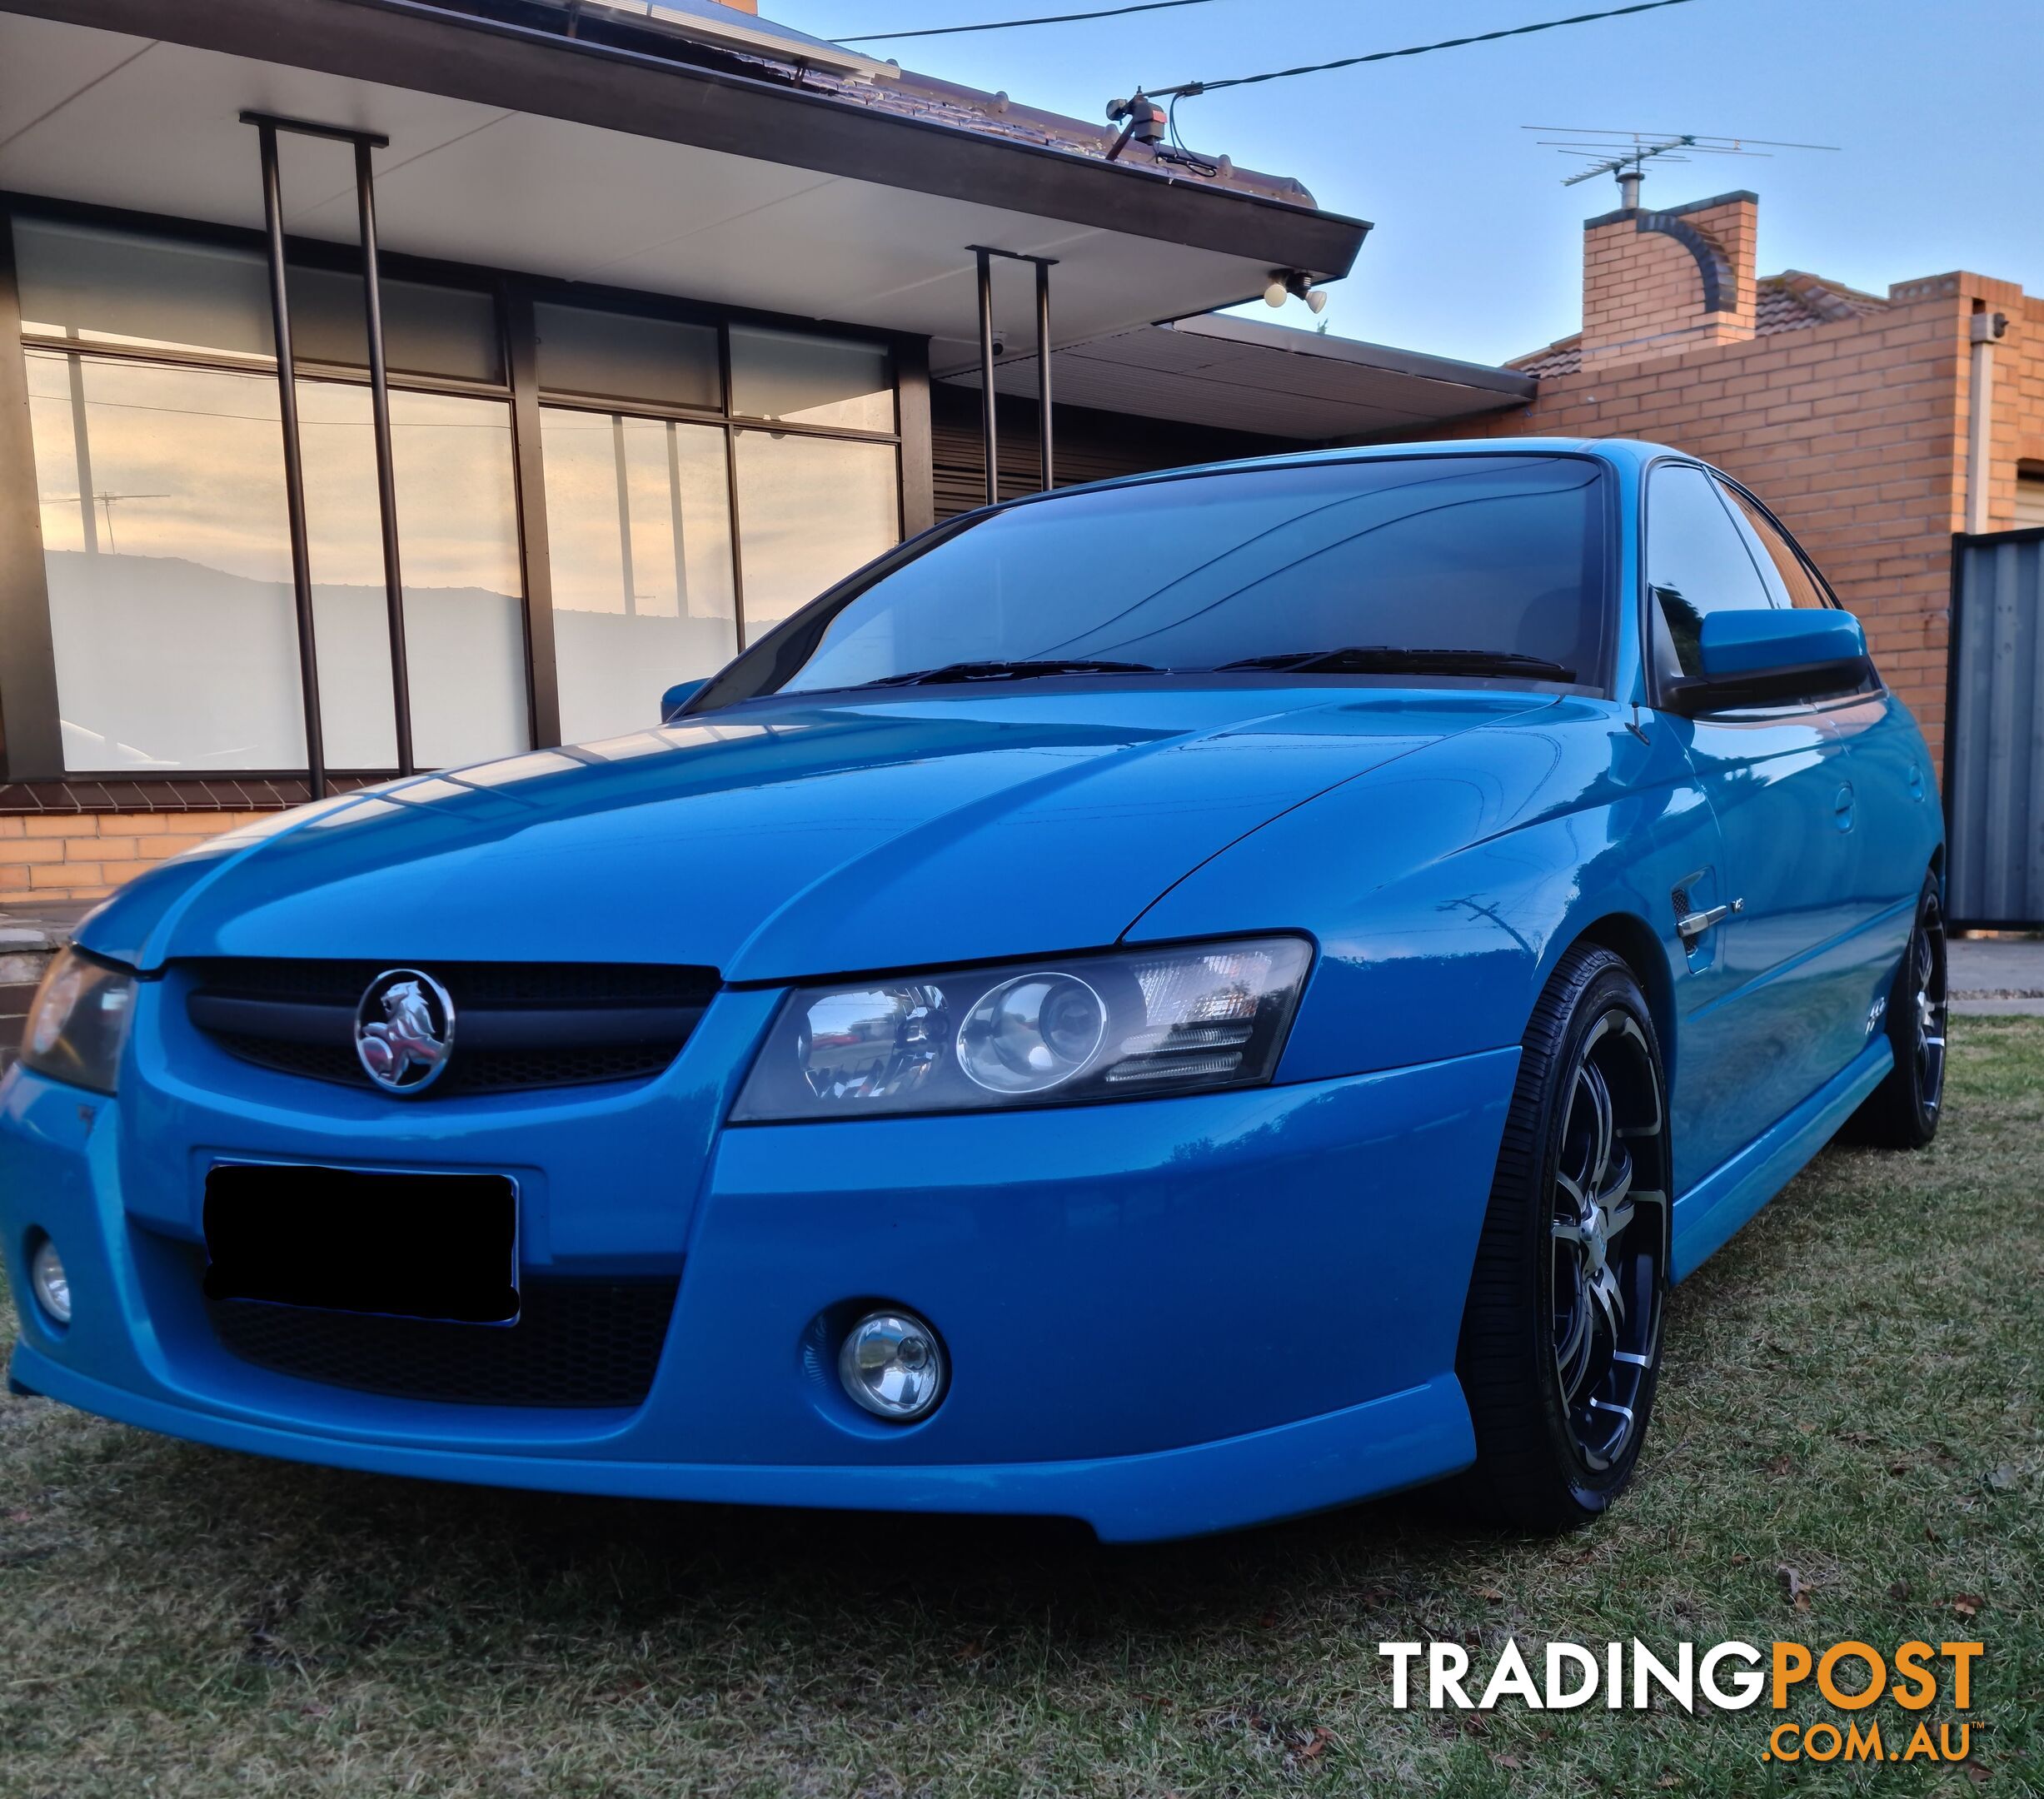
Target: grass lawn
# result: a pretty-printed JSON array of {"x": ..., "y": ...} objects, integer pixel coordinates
[{"x": 1852, "y": 1392}]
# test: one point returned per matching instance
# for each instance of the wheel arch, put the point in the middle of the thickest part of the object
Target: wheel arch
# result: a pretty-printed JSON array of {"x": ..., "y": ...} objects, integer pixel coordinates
[{"x": 1631, "y": 939}]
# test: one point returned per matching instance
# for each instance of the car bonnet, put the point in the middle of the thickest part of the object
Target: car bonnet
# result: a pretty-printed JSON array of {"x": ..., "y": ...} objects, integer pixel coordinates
[{"x": 788, "y": 840}]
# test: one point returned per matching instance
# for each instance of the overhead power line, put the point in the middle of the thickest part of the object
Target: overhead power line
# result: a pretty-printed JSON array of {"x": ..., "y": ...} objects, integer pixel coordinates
[
  {"x": 1187, "y": 89},
  {"x": 1054, "y": 18}
]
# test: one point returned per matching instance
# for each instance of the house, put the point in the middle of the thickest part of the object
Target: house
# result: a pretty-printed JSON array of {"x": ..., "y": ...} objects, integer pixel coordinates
[
  {"x": 1877, "y": 425},
  {"x": 682, "y": 315}
]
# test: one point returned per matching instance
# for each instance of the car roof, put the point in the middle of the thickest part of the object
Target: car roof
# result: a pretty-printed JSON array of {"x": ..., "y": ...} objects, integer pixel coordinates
[{"x": 1631, "y": 453}]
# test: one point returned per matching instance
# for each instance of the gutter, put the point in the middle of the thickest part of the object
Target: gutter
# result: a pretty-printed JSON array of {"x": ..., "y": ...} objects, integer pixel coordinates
[{"x": 428, "y": 48}]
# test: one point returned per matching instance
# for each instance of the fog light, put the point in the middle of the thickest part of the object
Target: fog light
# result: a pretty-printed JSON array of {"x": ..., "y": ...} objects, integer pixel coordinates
[
  {"x": 893, "y": 1365},
  {"x": 51, "y": 1285}
]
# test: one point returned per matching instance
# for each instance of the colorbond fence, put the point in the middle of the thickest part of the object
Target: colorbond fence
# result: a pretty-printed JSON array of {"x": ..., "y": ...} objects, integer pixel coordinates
[{"x": 1994, "y": 742}]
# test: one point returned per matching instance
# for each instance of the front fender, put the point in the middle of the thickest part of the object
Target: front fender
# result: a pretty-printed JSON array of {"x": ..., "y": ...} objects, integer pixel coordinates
[{"x": 1443, "y": 892}]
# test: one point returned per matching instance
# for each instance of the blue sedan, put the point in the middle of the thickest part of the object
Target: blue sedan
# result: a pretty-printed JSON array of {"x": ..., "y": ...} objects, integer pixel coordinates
[{"x": 1172, "y": 1005}]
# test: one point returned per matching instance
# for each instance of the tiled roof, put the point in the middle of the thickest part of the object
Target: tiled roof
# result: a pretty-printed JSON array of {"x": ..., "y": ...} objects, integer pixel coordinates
[
  {"x": 702, "y": 33},
  {"x": 994, "y": 115},
  {"x": 1790, "y": 300},
  {"x": 1564, "y": 357}
]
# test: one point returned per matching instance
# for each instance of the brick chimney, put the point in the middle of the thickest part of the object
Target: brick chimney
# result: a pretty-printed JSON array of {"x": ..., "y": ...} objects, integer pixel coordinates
[
  {"x": 744, "y": 6},
  {"x": 1658, "y": 283}
]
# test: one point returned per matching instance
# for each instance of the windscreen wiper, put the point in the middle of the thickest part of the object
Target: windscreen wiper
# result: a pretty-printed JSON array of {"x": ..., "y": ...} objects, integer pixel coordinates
[
  {"x": 1025, "y": 669},
  {"x": 1392, "y": 659}
]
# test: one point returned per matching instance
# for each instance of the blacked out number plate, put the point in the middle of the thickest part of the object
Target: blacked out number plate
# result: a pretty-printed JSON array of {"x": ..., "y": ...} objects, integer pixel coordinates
[{"x": 426, "y": 1246}]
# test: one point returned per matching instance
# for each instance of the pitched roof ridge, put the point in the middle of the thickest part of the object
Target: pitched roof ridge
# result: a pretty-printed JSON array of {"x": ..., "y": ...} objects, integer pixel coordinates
[
  {"x": 1833, "y": 298},
  {"x": 1559, "y": 357}
]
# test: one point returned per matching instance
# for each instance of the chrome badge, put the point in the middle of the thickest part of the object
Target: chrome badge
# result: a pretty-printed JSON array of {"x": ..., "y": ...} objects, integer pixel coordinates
[{"x": 404, "y": 1030}]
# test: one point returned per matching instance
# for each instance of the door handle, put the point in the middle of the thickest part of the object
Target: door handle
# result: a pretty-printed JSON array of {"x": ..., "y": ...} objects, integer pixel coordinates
[
  {"x": 1842, "y": 808},
  {"x": 1692, "y": 926}
]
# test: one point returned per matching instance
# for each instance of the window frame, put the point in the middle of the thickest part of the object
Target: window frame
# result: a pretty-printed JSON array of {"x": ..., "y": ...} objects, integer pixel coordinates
[
  {"x": 31, "y": 742},
  {"x": 1876, "y": 685},
  {"x": 1649, "y": 616},
  {"x": 1824, "y": 587}
]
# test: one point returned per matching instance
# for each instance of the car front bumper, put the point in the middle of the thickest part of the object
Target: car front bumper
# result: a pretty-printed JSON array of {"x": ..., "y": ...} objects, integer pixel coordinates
[{"x": 1163, "y": 1318}]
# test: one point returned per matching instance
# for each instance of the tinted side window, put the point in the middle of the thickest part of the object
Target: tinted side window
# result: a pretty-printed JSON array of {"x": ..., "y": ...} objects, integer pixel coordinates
[
  {"x": 1697, "y": 562},
  {"x": 1783, "y": 567}
]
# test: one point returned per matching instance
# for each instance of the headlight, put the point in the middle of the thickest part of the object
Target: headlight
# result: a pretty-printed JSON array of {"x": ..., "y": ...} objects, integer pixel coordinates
[
  {"x": 1061, "y": 1032},
  {"x": 78, "y": 1022}
]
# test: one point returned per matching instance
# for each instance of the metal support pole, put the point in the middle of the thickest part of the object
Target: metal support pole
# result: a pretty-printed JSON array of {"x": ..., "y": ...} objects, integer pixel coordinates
[
  {"x": 386, "y": 478},
  {"x": 618, "y": 457},
  {"x": 988, "y": 445},
  {"x": 294, "y": 464},
  {"x": 1043, "y": 369},
  {"x": 985, "y": 254},
  {"x": 674, "y": 513},
  {"x": 82, "y": 449}
]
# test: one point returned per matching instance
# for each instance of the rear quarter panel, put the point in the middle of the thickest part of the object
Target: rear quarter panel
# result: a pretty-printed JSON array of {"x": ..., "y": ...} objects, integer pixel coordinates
[{"x": 1901, "y": 829}]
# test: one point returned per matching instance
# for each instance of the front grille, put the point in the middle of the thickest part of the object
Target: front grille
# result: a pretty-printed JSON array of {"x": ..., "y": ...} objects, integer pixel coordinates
[
  {"x": 576, "y": 1343},
  {"x": 518, "y": 1025}
]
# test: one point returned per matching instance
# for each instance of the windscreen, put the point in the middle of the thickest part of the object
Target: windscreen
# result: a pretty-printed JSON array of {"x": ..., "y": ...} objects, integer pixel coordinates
[{"x": 1477, "y": 553}]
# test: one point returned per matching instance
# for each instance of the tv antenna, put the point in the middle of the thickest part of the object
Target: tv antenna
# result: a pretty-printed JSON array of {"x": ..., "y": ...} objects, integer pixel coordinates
[
  {"x": 1625, "y": 154},
  {"x": 107, "y": 502}
]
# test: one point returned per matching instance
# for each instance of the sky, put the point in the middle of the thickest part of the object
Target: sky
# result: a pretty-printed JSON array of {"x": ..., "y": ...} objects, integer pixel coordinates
[{"x": 1477, "y": 249}]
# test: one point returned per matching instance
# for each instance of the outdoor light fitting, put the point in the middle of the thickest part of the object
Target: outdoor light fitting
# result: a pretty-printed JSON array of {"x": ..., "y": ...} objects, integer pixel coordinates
[{"x": 1286, "y": 283}]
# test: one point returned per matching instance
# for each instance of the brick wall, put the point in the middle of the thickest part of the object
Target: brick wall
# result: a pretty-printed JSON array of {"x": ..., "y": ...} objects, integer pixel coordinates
[
  {"x": 1853, "y": 431},
  {"x": 1644, "y": 289},
  {"x": 47, "y": 858},
  {"x": 2018, "y": 420}
]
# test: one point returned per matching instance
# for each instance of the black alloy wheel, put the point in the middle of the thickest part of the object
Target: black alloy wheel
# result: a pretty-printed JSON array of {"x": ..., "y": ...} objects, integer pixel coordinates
[
  {"x": 1561, "y": 1338},
  {"x": 1902, "y": 1112}
]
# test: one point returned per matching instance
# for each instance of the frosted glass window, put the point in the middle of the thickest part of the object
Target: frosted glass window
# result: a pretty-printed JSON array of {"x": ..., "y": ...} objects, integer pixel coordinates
[
  {"x": 457, "y": 527},
  {"x": 457, "y": 532},
  {"x": 169, "y": 568},
  {"x": 427, "y": 329},
  {"x": 129, "y": 287},
  {"x": 811, "y": 510},
  {"x": 135, "y": 288},
  {"x": 808, "y": 379},
  {"x": 621, "y": 356},
  {"x": 638, "y": 524}
]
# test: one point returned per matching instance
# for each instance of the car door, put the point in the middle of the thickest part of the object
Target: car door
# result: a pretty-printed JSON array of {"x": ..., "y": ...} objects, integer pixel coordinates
[
  {"x": 1760, "y": 1033},
  {"x": 1895, "y": 806}
]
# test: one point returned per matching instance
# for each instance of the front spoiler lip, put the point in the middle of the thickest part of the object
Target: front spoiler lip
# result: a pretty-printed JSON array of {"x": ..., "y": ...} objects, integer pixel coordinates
[{"x": 1398, "y": 1440}]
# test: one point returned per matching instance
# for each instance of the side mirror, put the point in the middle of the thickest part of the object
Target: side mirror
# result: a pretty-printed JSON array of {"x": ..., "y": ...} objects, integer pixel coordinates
[
  {"x": 676, "y": 697},
  {"x": 1773, "y": 658}
]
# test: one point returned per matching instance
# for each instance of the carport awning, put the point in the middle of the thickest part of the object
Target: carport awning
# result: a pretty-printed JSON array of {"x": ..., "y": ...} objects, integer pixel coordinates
[
  {"x": 518, "y": 149},
  {"x": 1244, "y": 375}
]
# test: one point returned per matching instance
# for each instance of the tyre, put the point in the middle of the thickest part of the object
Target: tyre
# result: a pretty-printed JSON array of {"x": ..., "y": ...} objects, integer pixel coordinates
[
  {"x": 1902, "y": 1112},
  {"x": 1560, "y": 1349}
]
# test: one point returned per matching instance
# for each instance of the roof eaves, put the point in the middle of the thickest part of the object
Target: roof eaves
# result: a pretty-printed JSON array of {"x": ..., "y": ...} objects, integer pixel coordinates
[
  {"x": 744, "y": 107},
  {"x": 1509, "y": 383}
]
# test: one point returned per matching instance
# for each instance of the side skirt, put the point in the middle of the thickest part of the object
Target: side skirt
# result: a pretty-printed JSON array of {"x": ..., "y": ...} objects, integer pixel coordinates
[{"x": 1706, "y": 1216}]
